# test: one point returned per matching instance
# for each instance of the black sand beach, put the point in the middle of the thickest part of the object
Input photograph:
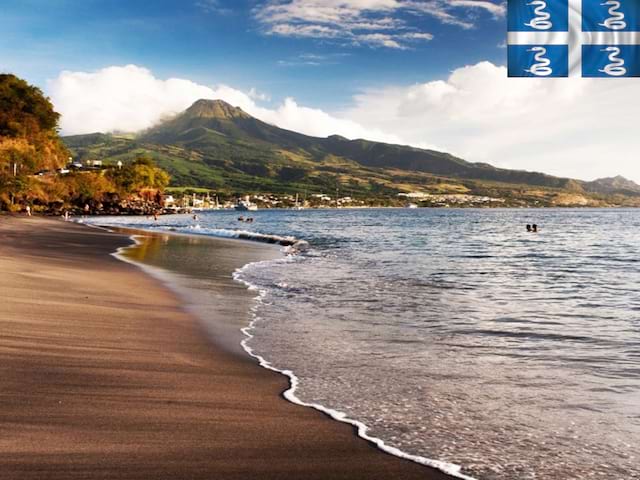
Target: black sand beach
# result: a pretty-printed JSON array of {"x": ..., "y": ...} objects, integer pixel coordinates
[{"x": 104, "y": 374}]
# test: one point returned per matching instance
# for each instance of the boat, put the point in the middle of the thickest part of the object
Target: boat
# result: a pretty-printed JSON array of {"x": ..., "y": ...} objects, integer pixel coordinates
[
  {"x": 412, "y": 205},
  {"x": 245, "y": 206},
  {"x": 297, "y": 205}
]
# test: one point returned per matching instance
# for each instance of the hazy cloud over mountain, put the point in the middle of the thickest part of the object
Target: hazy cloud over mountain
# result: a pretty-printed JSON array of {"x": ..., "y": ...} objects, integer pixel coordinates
[
  {"x": 130, "y": 98},
  {"x": 477, "y": 113}
]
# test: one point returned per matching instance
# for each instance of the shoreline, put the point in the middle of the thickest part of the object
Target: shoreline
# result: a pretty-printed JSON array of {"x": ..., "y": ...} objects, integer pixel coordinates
[
  {"x": 201, "y": 295},
  {"x": 107, "y": 376},
  {"x": 168, "y": 277},
  {"x": 360, "y": 428}
]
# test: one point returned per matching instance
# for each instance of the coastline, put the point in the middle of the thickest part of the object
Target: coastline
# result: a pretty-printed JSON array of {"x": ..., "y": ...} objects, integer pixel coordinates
[
  {"x": 205, "y": 288},
  {"x": 106, "y": 375},
  {"x": 200, "y": 271}
]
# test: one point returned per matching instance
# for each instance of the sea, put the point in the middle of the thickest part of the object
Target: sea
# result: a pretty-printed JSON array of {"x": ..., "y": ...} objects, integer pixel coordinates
[{"x": 454, "y": 337}]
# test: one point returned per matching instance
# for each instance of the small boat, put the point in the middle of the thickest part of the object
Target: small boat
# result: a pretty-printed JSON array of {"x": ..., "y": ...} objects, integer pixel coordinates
[
  {"x": 412, "y": 205},
  {"x": 245, "y": 206},
  {"x": 297, "y": 205}
]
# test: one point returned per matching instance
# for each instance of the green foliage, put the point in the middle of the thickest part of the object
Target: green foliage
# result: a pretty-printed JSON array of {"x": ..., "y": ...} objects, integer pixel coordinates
[
  {"x": 292, "y": 174},
  {"x": 24, "y": 110},
  {"x": 29, "y": 140},
  {"x": 139, "y": 175},
  {"x": 85, "y": 188}
]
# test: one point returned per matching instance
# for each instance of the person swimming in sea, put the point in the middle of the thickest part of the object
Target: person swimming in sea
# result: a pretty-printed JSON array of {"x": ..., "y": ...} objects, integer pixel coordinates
[
  {"x": 534, "y": 228},
  {"x": 529, "y": 228}
]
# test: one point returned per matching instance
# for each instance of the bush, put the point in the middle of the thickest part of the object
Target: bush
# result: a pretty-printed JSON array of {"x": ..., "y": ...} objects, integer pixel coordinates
[{"x": 139, "y": 175}]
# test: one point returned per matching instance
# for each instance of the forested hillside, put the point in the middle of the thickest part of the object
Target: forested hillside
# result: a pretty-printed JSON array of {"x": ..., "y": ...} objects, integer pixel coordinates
[{"x": 220, "y": 147}]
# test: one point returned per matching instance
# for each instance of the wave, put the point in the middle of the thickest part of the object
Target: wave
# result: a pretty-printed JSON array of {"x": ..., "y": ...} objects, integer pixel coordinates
[
  {"x": 290, "y": 394},
  {"x": 287, "y": 241}
]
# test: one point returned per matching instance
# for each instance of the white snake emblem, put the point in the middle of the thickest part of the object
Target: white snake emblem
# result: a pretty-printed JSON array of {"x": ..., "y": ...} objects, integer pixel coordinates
[
  {"x": 616, "y": 19},
  {"x": 542, "y": 19},
  {"x": 615, "y": 68},
  {"x": 541, "y": 68}
]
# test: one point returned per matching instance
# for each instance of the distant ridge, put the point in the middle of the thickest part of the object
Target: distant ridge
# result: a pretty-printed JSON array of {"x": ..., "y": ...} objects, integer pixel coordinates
[
  {"x": 216, "y": 145},
  {"x": 613, "y": 184},
  {"x": 210, "y": 118}
]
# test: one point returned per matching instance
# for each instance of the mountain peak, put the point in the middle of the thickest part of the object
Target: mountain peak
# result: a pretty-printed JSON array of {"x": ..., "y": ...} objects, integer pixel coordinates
[
  {"x": 613, "y": 184},
  {"x": 618, "y": 179},
  {"x": 215, "y": 109}
]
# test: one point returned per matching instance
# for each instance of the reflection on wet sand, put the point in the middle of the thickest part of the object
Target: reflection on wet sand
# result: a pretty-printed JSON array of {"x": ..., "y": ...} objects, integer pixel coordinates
[{"x": 200, "y": 270}]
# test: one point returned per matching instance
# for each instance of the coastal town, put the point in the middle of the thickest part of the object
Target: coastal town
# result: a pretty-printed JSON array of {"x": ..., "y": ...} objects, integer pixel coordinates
[
  {"x": 187, "y": 202},
  {"x": 183, "y": 200},
  {"x": 130, "y": 193}
]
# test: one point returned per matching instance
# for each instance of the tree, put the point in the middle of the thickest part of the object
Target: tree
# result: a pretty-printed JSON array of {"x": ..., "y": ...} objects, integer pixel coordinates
[
  {"x": 140, "y": 175},
  {"x": 85, "y": 188},
  {"x": 29, "y": 139}
]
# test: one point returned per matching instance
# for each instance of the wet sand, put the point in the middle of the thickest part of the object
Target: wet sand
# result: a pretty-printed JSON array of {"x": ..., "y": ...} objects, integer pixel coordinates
[{"x": 105, "y": 374}]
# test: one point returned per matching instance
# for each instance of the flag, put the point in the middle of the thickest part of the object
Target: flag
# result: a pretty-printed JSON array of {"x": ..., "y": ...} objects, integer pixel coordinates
[{"x": 562, "y": 38}]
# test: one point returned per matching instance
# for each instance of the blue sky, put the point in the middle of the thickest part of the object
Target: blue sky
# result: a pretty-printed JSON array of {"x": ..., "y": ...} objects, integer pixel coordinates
[
  {"x": 235, "y": 42},
  {"x": 427, "y": 73}
]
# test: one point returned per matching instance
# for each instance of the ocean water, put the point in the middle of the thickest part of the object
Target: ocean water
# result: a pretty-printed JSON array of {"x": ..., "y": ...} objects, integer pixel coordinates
[{"x": 455, "y": 335}]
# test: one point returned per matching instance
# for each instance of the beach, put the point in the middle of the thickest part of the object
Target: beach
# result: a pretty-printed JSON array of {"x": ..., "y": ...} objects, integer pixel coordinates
[
  {"x": 453, "y": 335},
  {"x": 106, "y": 374}
]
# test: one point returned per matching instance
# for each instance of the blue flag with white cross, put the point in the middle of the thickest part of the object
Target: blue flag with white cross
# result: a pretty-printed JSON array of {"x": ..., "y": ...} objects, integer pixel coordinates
[{"x": 562, "y": 38}]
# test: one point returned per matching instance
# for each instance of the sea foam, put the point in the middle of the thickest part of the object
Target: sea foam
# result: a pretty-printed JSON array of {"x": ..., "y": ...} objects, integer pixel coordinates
[{"x": 294, "y": 382}]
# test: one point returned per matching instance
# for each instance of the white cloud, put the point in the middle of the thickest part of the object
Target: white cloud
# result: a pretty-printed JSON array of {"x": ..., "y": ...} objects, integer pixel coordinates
[
  {"x": 498, "y": 10},
  {"x": 376, "y": 23},
  {"x": 318, "y": 123},
  {"x": 312, "y": 60},
  {"x": 380, "y": 39},
  {"x": 127, "y": 98},
  {"x": 212, "y": 6},
  {"x": 259, "y": 96},
  {"x": 583, "y": 128},
  {"x": 130, "y": 98}
]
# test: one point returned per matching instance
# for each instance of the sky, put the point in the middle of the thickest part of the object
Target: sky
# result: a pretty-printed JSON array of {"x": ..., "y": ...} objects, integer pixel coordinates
[{"x": 428, "y": 73}]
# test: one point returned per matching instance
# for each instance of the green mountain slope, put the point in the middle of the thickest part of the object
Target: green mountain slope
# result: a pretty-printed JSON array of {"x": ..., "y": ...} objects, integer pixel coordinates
[
  {"x": 217, "y": 146},
  {"x": 382, "y": 155}
]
